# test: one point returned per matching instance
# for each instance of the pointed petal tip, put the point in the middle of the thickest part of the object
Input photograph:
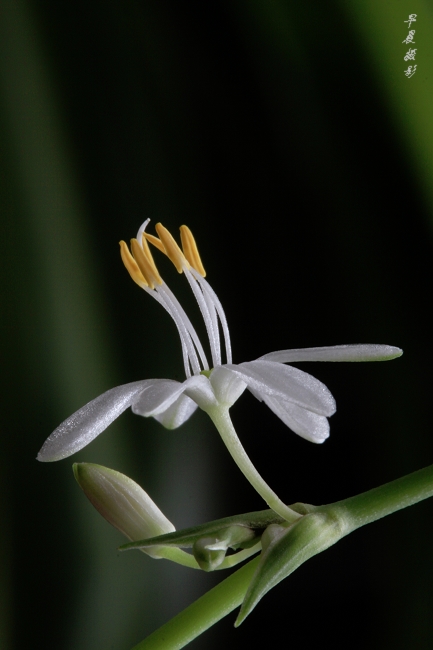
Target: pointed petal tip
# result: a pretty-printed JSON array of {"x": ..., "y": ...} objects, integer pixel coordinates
[
  {"x": 318, "y": 441},
  {"x": 54, "y": 449},
  {"x": 360, "y": 352},
  {"x": 380, "y": 352},
  {"x": 44, "y": 455}
]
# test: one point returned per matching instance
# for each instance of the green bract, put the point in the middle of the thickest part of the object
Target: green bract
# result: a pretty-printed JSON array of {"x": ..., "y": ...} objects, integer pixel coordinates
[{"x": 210, "y": 542}]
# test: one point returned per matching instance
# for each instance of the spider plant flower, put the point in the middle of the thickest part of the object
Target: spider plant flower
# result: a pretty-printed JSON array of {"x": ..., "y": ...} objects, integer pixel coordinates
[{"x": 302, "y": 402}]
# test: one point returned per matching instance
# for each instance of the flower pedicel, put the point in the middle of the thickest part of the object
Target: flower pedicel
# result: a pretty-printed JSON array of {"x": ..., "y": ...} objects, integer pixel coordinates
[{"x": 302, "y": 402}]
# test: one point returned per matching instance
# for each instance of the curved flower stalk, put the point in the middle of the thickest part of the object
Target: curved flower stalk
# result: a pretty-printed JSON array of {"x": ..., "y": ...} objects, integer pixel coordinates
[{"x": 302, "y": 402}]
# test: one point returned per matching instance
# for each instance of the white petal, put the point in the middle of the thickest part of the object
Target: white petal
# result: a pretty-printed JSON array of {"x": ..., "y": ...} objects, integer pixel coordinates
[
  {"x": 336, "y": 353},
  {"x": 157, "y": 397},
  {"x": 163, "y": 393},
  {"x": 227, "y": 385},
  {"x": 89, "y": 421},
  {"x": 291, "y": 384},
  {"x": 200, "y": 390},
  {"x": 306, "y": 424},
  {"x": 178, "y": 413}
]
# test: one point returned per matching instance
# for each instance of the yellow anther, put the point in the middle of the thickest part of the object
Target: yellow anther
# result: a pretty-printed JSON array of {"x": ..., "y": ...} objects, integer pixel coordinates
[
  {"x": 149, "y": 256},
  {"x": 131, "y": 265},
  {"x": 147, "y": 268},
  {"x": 172, "y": 250},
  {"x": 155, "y": 241},
  {"x": 190, "y": 250}
]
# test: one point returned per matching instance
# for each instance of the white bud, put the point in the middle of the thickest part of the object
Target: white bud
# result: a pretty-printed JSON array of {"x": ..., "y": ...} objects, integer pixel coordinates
[{"x": 123, "y": 503}]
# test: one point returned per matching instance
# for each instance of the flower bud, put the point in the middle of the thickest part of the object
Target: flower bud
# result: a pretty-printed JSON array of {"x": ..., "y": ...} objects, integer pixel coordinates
[{"x": 123, "y": 503}]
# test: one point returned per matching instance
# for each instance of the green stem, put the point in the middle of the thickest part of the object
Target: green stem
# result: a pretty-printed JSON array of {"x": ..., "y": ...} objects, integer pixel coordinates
[
  {"x": 221, "y": 419},
  {"x": 381, "y": 501},
  {"x": 203, "y": 613}
]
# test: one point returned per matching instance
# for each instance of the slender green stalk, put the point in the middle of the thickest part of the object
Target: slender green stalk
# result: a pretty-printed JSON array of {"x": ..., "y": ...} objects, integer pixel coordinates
[
  {"x": 203, "y": 613},
  {"x": 221, "y": 419},
  {"x": 384, "y": 500}
]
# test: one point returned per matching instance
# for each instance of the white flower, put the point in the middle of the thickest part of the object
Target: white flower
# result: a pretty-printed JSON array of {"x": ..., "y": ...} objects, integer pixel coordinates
[{"x": 302, "y": 402}]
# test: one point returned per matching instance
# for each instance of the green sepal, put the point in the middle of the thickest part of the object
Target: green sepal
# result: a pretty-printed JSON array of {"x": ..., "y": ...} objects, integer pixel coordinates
[
  {"x": 256, "y": 521},
  {"x": 286, "y": 547}
]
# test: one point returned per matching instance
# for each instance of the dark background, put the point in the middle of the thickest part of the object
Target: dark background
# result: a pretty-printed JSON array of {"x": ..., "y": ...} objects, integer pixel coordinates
[{"x": 288, "y": 138}]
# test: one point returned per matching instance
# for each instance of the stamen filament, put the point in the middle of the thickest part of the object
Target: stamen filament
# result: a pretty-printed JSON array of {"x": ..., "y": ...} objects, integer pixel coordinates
[
  {"x": 191, "y": 335},
  {"x": 213, "y": 340},
  {"x": 214, "y": 317},
  {"x": 183, "y": 334},
  {"x": 219, "y": 308},
  {"x": 160, "y": 300},
  {"x": 189, "y": 326},
  {"x": 177, "y": 317}
]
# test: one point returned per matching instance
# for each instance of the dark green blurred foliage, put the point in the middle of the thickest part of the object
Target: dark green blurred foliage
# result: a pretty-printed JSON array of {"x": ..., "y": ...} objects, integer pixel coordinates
[{"x": 288, "y": 138}]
